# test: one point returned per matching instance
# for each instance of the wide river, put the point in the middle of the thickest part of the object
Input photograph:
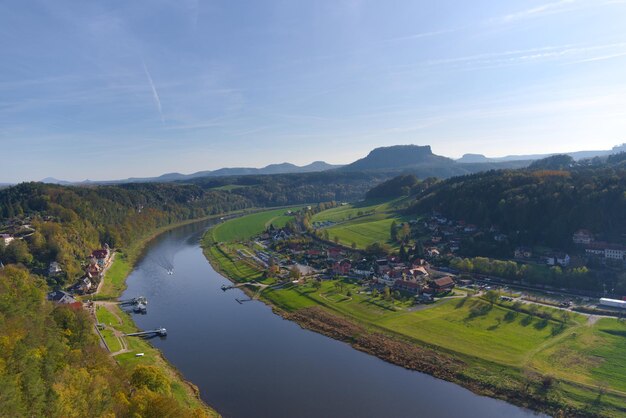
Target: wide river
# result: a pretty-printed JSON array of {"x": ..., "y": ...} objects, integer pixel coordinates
[{"x": 249, "y": 362}]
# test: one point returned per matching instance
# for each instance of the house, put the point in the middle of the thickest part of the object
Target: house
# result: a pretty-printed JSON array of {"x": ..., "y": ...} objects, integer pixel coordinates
[
  {"x": 442, "y": 284},
  {"x": 62, "y": 298},
  {"x": 363, "y": 270},
  {"x": 418, "y": 272},
  {"x": 93, "y": 271},
  {"x": 85, "y": 285},
  {"x": 407, "y": 286},
  {"x": 432, "y": 252},
  {"x": 101, "y": 256},
  {"x": 582, "y": 236},
  {"x": 54, "y": 269},
  {"x": 470, "y": 228},
  {"x": 500, "y": 237},
  {"x": 559, "y": 259},
  {"x": 523, "y": 252},
  {"x": 386, "y": 280},
  {"x": 342, "y": 267},
  {"x": 334, "y": 253},
  {"x": 7, "y": 238}
]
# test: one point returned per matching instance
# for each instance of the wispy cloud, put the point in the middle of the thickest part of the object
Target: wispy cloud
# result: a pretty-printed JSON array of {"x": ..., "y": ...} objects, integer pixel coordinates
[
  {"x": 554, "y": 7},
  {"x": 155, "y": 94},
  {"x": 601, "y": 58},
  {"x": 421, "y": 35},
  {"x": 537, "y": 11}
]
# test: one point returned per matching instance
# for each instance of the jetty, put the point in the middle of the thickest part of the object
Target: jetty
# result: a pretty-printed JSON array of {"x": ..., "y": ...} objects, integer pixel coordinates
[
  {"x": 135, "y": 301},
  {"x": 159, "y": 331}
]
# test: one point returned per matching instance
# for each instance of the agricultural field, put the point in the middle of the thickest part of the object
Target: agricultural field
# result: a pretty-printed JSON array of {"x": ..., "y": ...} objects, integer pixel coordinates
[
  {"x": 246, "y": 227},
  {"x": 363, "y": 224}
]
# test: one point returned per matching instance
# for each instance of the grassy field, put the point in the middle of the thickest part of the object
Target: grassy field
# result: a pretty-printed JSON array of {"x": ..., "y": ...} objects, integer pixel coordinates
[
  {"x": 230, "y": 266},
  {"x": 363, "y": 223},
  {"x": 246, "y": 227}
]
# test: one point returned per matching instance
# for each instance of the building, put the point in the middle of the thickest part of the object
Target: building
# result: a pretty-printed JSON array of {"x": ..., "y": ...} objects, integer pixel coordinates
[
  {"x": 407, "y": 286},
  {"x": 559, "y": 259},
  {"x": 615, "y": 252},
  {"x": 342, "y": 267},
  {"x": 62, "y": 298},
  {"x": 523, "y": 252},
  {"x": 582, "y": 236},
  {"x": 7, "y": 238},
  {"x": 54, "y": 269},
  {"x": 443, "y": 284}
]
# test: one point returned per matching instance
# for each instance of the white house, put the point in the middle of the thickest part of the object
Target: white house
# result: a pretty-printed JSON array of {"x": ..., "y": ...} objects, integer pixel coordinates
[
  {"x": 582, "y": 236},
  {"x": 7, "y": 238}
]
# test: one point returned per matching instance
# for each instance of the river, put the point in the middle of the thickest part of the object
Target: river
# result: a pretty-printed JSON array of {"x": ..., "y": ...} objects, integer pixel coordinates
[{"x": 249, "y": 362}]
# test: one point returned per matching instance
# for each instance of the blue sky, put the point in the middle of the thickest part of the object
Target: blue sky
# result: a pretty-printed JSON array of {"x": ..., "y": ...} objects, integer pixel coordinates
[{"x": 112, "y": 89}]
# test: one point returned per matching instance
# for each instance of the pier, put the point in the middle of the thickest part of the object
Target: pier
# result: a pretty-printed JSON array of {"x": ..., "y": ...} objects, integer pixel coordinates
[
  {"x": 135, "y": 301},
  {"x": 159, "y": 331}
]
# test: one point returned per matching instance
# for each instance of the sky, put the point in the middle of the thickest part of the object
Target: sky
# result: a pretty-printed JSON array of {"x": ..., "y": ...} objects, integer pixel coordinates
[{"x": 112, "y": 89}]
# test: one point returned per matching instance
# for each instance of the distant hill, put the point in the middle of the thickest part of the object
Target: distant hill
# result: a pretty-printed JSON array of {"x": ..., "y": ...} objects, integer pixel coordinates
[
  {"x": 284, "y": 168},
  {"x": 576, "y": 155},
  {"x": 421, "y": 162},
  {"x": 398, "y": 157}
]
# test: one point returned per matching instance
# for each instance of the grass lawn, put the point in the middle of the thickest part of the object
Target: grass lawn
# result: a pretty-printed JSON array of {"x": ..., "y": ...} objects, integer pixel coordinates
[
  {"x": 115, "y": 278},
  {"x": 594, "y": 355},
  {"x": 246, "y": 227}
]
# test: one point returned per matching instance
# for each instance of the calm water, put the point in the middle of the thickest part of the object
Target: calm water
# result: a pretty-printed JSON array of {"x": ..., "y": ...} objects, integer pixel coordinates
[{"x": 249, "y": 362}]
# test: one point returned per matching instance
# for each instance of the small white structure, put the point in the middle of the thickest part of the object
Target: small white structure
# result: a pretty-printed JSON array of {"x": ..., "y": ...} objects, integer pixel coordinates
[
  {"x": 7, "y": 238},
  {"x": 613, "y": 303}
]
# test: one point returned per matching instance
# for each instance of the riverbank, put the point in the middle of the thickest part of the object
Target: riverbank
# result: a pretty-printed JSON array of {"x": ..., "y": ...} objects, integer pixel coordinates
[
  {"x": 109, "y": 313},
  {"x": 495, "y": 372}
]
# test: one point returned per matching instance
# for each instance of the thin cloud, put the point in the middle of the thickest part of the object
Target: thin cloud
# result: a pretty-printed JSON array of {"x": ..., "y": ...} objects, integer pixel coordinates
[
  {"x": 155, "y": 94},
  {"x": 601, "y": 58},
  {"x": 537, "y": 11},
  {"x": 422, "y": 35},
  {"x": 561, "y": 6}
]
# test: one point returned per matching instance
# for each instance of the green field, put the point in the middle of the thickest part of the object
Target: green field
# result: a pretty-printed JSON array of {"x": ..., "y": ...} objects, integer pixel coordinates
[
  {"x": 363, "y": 224},
  {"x": 230, "y": 266},
  {"x": 355, "y": 210},
  {"x": 246, "y": 227}
]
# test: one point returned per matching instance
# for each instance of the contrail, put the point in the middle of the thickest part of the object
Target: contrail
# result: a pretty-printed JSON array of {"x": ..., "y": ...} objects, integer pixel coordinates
[{"x": 154, "y": 91}]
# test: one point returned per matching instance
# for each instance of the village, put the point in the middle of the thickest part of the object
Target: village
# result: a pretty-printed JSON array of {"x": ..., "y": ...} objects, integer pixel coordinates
[{"x": 421, "y": 269}]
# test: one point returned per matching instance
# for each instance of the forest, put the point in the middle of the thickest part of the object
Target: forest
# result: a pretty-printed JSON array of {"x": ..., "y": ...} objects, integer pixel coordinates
[
  {"x": 52, "y": 365},
  {"x": 535, "y": 206}
]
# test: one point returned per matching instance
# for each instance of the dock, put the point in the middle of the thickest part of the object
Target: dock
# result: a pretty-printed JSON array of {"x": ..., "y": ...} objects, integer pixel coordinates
[{"x": 159, "y": 331}]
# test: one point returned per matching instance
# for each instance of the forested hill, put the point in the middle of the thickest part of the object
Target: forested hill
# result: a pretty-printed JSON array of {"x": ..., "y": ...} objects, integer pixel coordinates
[{"x": 537, "y": 206}]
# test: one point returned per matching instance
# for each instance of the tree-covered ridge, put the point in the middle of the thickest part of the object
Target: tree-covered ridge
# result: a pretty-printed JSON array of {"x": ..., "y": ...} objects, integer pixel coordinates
[
  {"x": 69, "y": 222},
  {"x": 536, "y": 206}
]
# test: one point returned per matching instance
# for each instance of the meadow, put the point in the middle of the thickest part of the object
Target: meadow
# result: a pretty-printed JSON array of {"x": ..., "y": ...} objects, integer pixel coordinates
[
  {"x": 362, "y": 224},
  {"x": 246, "y": 227}
]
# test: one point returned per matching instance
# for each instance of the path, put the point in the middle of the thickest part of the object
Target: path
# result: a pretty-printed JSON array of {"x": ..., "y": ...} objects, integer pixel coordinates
[{"x": 106, "y": 268}]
